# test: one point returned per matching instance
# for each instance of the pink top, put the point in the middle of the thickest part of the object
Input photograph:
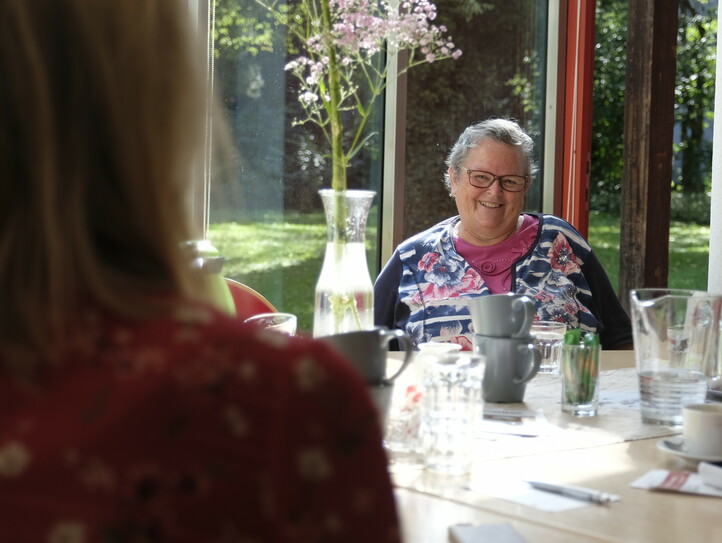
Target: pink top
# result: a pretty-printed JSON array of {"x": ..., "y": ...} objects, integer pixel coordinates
[
  {"x": 494, "y": 262},
  {"x": 192, "y": 428}
]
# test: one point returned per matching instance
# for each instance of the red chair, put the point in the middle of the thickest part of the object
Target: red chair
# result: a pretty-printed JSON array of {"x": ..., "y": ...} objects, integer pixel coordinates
[{"x": 248, "y": 302}]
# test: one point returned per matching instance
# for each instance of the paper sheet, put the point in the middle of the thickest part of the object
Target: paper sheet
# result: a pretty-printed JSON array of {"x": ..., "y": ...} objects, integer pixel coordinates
[
  {"x": 498, "y": 533},
  {"x": 521, "y": 492}
]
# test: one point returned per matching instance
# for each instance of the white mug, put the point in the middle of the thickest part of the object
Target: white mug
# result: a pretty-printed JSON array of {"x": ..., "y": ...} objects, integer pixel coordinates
[{"x": 702, "y": 429}]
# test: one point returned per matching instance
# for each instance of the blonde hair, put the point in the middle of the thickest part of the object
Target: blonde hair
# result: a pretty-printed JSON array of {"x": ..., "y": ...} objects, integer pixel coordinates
[{"x": 101, "y": 116}]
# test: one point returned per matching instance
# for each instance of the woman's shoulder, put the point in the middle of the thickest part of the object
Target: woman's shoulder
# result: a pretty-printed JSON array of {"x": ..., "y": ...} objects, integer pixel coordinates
[
  {"x": 432, "y": 236},
  {"x": 551, "y": 226}
]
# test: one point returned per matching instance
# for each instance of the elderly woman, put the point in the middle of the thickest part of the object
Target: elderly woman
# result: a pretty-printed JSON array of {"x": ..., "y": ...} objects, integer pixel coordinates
[{"x": 491, "y": 247}]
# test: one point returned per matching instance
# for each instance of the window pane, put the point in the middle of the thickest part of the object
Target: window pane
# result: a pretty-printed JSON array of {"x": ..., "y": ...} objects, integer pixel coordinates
[
  {"x": 266, "y": 216},
  {"x": 501, "y": 73}
]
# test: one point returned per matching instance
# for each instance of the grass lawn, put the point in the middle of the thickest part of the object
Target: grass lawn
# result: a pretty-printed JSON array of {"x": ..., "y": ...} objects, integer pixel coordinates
[
  {"x": 281, "y": 258},
  {"x": 688, "y": 251}
]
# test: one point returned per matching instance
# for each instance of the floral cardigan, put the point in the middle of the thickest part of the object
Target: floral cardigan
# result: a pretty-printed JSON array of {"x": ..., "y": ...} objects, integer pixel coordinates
[{"x": 424, "y": 287}]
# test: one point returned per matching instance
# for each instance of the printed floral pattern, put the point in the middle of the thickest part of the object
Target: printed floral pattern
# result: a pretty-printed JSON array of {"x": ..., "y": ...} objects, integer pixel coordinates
[
  {"x": 562, "y": 257},
  {"x": 438, "y": 281},
  {"x": 189, "y": 429},
  {"x": 446, "y": 277}
]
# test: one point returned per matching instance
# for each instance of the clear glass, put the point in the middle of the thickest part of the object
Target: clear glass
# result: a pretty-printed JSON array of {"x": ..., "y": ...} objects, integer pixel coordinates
[
  {"x": 580, "y": 380},
  {"x": 676, "y": 345},
  {"x": 451, "y": 411},
  {"x": 403, "y": 432},
  {"x": 549, "y": 338},
  {"x": 344, "y": 291},
  {"x": 280, "y": 322}
]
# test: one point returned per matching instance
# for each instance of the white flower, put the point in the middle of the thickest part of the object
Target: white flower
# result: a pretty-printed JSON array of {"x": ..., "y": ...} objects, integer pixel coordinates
[
  {"x": 14, "y": 458},
  {"x": 309, "y": 374},
  {"x": 236, "y": 421},
  {"x": 247, "y": 371},
  {"x": 358, "y": 31},
  {"x": 313, "y": 465},
  {"x": 67, "y": 532}
]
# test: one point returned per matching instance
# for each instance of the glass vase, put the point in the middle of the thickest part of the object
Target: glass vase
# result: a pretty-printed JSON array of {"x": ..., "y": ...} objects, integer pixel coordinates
[{"x": 344, "y": 291}]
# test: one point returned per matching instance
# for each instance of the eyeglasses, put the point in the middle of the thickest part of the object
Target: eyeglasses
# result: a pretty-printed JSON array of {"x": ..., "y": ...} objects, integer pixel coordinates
[{"x": 509, "y": 183}]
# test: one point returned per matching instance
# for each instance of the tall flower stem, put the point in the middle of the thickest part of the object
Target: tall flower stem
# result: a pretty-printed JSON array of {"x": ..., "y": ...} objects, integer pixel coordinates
[
  {"x": 333, "y": 110},
  {"x": 333, "y": 104},
  {"x": 343, "y": 67}
]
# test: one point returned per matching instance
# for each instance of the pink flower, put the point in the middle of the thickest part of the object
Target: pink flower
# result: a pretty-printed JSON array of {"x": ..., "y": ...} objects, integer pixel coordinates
[
  {"x": 471, "y": 281},
  {"x": 562, "y": 257},
  {"x": 466, "y": 344},
  {"x": 428, "y": 261}
]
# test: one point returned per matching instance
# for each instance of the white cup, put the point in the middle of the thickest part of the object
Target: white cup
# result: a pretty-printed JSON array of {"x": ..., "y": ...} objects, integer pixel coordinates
[
  {"x": 702, "y": 429},
  {"x": 280, "y": 322}
]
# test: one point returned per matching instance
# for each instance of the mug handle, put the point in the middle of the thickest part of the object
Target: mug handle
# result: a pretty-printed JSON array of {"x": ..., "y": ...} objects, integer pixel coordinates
[
  {"x": 533, "y": 357},
  {"x": 522, "y": 312},
  {"x": 406, "y": 345}
]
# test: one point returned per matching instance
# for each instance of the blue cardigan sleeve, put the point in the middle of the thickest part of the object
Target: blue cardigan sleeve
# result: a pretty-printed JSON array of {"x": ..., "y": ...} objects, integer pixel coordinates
[
  {"x": 615, "y": 327},
  {"x": 388, "y": 310}
]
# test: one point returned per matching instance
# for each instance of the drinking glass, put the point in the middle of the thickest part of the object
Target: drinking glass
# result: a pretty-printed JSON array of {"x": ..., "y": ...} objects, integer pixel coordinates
[
  {"x": 403, "y": 430},
  {"x": 451, "y": 409},
  {"x": 580, "y": 379},
  {"x": 548, "y": 338}
]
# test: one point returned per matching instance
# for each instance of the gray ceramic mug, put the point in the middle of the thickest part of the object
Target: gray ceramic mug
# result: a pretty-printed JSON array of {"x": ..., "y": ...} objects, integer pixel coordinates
[
  {"x": 509, "y": 364},
  {"x": 502, "y": 315},
  {"x": 367, "y": 351}
]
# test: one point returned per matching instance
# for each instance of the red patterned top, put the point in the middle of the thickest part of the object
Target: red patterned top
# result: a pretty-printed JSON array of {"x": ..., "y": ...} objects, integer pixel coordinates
[{"x": 192, "y": 428}]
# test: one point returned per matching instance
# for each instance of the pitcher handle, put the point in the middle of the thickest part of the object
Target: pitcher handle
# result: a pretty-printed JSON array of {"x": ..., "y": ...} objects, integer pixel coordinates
[
  {"x": 405, "y": 343},
  {"x": 533, "y": 356}
]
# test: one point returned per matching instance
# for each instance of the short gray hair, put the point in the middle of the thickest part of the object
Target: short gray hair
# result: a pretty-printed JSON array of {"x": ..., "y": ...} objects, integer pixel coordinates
[{"x": 500, "y": 130}]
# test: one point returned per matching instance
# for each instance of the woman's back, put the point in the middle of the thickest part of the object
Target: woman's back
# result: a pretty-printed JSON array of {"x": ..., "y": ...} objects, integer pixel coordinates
[{"x": 191, "y": 428}]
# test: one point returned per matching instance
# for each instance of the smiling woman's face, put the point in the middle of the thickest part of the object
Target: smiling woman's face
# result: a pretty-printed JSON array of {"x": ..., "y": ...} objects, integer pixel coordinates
[{"x": 489, "y": 215}]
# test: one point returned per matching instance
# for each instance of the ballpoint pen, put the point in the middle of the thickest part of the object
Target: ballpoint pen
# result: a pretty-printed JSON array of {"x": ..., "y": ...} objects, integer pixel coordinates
[{"x": 576, "y": 492}]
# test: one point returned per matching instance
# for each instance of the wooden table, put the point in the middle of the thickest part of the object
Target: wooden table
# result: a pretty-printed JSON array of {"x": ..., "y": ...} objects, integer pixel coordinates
[{"x": 429, "y": 503}]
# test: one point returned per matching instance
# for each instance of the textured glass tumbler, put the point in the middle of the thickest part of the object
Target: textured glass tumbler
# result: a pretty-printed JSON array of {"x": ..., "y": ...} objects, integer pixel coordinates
[
  {"x": 451, "y": 410},
  {"x": 549, "y": 338}
]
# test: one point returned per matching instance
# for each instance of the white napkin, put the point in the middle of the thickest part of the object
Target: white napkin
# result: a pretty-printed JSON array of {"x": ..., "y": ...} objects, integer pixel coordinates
[
  {"x": 521, "y": 492},
  {"x": 498, "y": 533},
  {"x": 686, "y": 482}
]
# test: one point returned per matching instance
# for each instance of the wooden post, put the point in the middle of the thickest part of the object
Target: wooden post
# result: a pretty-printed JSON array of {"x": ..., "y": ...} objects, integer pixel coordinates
[
  {"x": 579, "y": 87},
  {"x": 648, "y": 129}
]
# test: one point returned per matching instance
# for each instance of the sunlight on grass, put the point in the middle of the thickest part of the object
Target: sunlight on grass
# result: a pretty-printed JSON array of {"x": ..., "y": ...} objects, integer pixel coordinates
[{"x": 688, "y": 251}]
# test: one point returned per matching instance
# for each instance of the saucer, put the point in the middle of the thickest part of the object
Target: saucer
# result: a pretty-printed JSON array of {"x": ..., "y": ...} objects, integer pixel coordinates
[{"x": 675, "y": 446}]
